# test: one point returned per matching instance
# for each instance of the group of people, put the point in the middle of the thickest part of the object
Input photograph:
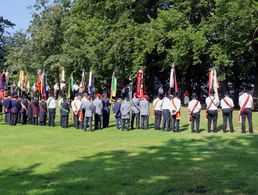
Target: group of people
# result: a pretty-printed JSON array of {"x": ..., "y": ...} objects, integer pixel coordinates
[{"x": 129, "y": 113}]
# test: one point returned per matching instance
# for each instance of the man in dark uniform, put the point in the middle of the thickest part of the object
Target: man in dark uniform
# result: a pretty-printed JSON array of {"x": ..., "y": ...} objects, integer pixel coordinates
[
  {"x": 30, "y": 111},
  {"x": 7, "y": 103},
  {"x": 16, "y": 107},
  {"x": 135, "y": 111},
  {"x": 24, "y": 109},
  {"x": 65, "y": 110},
  {"x": 42, "y": 112},
  {"x": 35, "y": 109},
  {"x": 106, "y": 110}
]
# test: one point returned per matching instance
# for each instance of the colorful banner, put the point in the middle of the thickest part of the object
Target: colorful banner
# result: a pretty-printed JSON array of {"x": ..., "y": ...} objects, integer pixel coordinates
[{"x": 139, "y": 84}]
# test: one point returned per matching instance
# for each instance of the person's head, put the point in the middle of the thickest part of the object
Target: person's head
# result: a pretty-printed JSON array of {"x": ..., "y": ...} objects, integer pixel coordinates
[
  {"x": 86, "y": 94},
  {"x": 50, "y": 94},
  {"x": 194, "y": 96},
  {"x": 64, "y": 97},
  {"x": 135, "y": 95},
  {"x": 104, "y": 95},
  {"x": 176, "y": 94},
  {"x": 88, "y": 97},
  {"x": 226, "y": 94},
  {"x": 160, "y": 96},
  {"x": 98, "y": 95}
]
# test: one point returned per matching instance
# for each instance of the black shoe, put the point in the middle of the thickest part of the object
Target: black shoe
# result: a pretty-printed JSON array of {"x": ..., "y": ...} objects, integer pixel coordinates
[
  {"x": 193, "y": 131},
  {"x": 251, "y": 132},
  {"x": 209, "y": 131},
  {"x": 232, "y": 131},
  {"x": 225, "y": 131},
  {"x": 243, "y": 132}
]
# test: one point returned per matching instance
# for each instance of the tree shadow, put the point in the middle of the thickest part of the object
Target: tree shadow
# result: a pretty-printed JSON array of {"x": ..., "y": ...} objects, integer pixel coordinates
[{"x": 212, "y": 165}]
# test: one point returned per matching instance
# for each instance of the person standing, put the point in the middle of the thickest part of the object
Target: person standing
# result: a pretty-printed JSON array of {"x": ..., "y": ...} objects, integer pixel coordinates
[
  {"x": 42, "y": 112},
  {"x": 194, "y": 108},
  {"x": 117, "y": 112},
  {"x": 98, "y": 106},
  {"x": 135, "y": 111},
  {"x": 76, "y": 105},
  {"x": 212, "y": 104},
  {"x": 51, "y": 104},
  {"x": 16, "y": 107},
  {"x": 157, "y": 104},
  {"x": 166, "y": 108},
  {"x": 35, "y": 109},
  {"x": 7, "y": 103},
  {"x": 246, "y": 105},
  {"x": 144, "y": 112},
  {"x": 24, "y": 109},
  {"x": 176, "y": 115},
  {"x": 65, "y": 110},
  {"x": 125, "y": 112},
  {"x": 89, "y": 109},
  {"x": 227, "y": 106},
  {"x": 106, "y": 110}
]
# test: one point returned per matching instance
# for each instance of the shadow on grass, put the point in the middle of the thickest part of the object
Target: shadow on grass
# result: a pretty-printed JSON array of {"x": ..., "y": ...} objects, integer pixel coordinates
[{"x": 212, "y": 165}]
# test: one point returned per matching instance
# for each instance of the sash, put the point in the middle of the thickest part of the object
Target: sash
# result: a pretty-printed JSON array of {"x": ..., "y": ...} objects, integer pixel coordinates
[
  {"x": 35, "y": 113},
  {"x": 23, "y": 107},
  {"x": 178, "y": 114},
  {"x": 156, "y": 104},
  {"x": 242, "y": 109},
  {"x": 231, "y": 107},
  {"x": 44, "y": 110},
  {"x": 208, "y": 107}
]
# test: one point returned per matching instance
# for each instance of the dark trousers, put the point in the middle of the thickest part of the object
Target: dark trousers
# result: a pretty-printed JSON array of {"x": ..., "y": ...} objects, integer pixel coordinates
[
  {"x": 136, "y": 118},
  {"x": 105, "y": 119},
  {"x": 7, "y": 118},
  {"x": 19, "y": 118},
  {"x": 145, "y": 121},
  {"x": 175, "y": 123},
  {"x": 14, "y": 119},
  {"x": 76, "y": 121},
  {"x": 212, "y": 117},
  {"x": 195, "y": 124},
  {"x": 158, "y": 116},
  {"x": 97, "y": 124},
  {"x": 43, "y": 122},
  {"x": 247, "y": 113},
  {"x": 125, "y": 123},
  {"x": 24, "y": 118},
  {"x": 35, "y": 120},
  {"x": 227, "y": 117},
  {"x": 166, "y": 119},
  {"x": 64, "y": 123},
  {"x": 51, "y": 117},
  {"x": 118, "y": 122},
  {"x": 87, "y": 122}
]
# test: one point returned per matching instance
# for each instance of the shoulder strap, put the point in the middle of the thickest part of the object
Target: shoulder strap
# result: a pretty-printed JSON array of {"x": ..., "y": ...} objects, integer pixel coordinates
[
  {"x": 156, "y": 104},
  {"x": 211, "y": 103},
  {"x": 195, "y": 105},
  {"x": 231, "y": 107},
  {"x": 173, "y": 103}
]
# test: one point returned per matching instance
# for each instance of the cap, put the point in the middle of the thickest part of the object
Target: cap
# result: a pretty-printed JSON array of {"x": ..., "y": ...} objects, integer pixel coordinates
[{"x": 98, "y": 95}]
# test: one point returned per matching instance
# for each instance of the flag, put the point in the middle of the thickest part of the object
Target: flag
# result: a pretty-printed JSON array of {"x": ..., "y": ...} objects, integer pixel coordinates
[
  {"x": 173, "y": 81},
  {"x": 38, "y": 85},
  {"x": 139, "y": 86},
  {"x": 91, "y": 84},
  {"x": 113, "y": 85},
  {"x": 70, "y": 87},
  {"x": 82, "y": 84},
  {"x": 1, "y": 80},
  {"x": 26, "y": 81},
  {"x": 21, "y": 78},
  {"x": 213, "y": 82},
  {"x": 62, "y": 75},
  {"x": 44, "y": 85}
]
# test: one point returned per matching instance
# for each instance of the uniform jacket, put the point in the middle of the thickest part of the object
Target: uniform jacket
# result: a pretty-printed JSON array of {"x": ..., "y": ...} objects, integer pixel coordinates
[
  {"x": 98, "y": 105},
  {"x": 144, "y": 107},
  {"x": 125, "y": 110},
  {"x": 16, "y": 106},
  {"x": 64, "y": 108},
  {"x": 135, "y": 105},
  {"x": 42, "y": 111},
  {"x": 106, "y": 103},
  {"x": 88, "y": 107},
  {"x": 116, "y": 109}
]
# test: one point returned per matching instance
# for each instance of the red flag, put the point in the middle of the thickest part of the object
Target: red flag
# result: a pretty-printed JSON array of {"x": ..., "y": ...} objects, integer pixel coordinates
[{"x": 139, "y": 86}]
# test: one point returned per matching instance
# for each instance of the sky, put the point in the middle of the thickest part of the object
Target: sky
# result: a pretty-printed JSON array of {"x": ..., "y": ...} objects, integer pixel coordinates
[{"x": 17, "y": 12}]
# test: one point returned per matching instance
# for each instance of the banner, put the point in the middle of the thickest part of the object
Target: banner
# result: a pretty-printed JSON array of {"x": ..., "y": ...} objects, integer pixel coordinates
[
  {"x": 213, "y": 82},
  {"x": 139, "y": 84},
  {"x": 113, "y": 85},
  {"x": 91, "y": 84},
  {"x": 173, "y": 80},
  {"x": 62, "y": 75},
  {"x": 82, "y": 83}
]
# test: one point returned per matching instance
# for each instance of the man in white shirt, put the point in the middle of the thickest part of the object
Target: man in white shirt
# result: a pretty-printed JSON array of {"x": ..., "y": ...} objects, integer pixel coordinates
[
  {"x": 246, "y": 105},
  {"x": 166, "y": 108},
  {"x": 51, "y": 105},
  {"x": 194, "y": 108},
  {"x": 176, "y": 116},
  {"x": 227, "y": 106},
  {"x": 212, "y": 104},
  {"x": 157, "y": 103}
]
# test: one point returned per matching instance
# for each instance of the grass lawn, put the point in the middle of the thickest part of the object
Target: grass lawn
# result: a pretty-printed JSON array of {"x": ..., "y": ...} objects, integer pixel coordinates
[{"x": 42, "y": 160}]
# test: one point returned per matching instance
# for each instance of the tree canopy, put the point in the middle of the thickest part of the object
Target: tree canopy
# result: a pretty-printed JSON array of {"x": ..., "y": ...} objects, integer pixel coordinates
[{"x": 114, "y": 35}]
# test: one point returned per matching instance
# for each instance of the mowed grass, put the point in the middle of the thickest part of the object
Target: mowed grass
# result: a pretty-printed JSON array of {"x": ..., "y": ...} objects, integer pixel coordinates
[{"x": 42, "y": 160}]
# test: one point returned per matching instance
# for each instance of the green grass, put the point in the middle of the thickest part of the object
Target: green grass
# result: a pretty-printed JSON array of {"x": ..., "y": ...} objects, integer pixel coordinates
[{"x": 43, "y": 160}]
